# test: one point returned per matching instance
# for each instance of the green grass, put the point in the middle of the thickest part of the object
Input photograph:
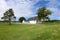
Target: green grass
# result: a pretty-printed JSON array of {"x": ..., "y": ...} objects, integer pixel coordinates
[{"x": 46, "y": 31}]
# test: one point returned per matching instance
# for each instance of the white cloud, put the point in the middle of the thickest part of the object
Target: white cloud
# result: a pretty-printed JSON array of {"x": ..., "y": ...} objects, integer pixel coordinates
[
  {"x": 55, "y": 13},
  {"x": 22, "y": 7},
  {"x": 52, "y": 3},
  {"x": 3, "y": 7},
  {"x": 53, "y": 6}
]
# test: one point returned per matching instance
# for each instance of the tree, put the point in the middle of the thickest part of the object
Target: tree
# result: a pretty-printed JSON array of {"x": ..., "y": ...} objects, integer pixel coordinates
[
  {"x": 21, "y": 19},
  {"x": 43, "y": 13},
  {"x": 8, "y": 16}
]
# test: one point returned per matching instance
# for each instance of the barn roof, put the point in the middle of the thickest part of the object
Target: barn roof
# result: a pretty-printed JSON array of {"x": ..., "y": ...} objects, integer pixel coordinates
[{"x": 32, "y": 18}]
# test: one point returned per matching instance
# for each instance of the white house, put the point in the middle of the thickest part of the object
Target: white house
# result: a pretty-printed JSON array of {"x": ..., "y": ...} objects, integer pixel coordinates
[
  {"x": 29, "y": 22},
  {"x": 32, "y": 21},
  {"x": 25, "y": 22}
]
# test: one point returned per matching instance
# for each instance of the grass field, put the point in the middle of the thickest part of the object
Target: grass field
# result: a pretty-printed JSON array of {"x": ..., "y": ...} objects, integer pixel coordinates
[{"x": 47, "y": 31}]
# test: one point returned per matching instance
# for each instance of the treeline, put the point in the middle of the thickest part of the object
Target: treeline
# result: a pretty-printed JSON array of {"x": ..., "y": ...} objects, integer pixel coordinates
[
  {"x": 42, "y": 16},
  {"x": 53, "y": 21}
]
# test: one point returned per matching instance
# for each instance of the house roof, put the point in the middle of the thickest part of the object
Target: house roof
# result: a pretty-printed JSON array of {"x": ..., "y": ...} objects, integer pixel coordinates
[{"x": 32, "y": 18}]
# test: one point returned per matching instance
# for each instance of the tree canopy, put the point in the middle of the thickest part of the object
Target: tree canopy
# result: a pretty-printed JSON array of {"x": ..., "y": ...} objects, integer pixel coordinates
[
  {"x": 43, "y": 13},
  {"x": 21, "y": 19},
  {"x": 8, "y": 15}
]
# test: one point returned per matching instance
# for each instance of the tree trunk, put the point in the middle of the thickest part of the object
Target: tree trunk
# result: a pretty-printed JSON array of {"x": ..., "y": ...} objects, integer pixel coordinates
[
  {"x": 39, "y": 21},
  {"x": 9, "y": 21}
]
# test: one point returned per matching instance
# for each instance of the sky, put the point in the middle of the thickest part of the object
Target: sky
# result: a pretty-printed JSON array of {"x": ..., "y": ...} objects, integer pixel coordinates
[{"x": 28, "y": 8}]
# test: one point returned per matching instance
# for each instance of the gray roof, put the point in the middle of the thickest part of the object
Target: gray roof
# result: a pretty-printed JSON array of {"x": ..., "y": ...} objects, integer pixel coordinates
[{"x": 32, "y": 18}]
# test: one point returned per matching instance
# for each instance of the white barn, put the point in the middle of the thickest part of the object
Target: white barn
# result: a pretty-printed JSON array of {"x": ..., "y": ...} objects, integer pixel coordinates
[{"x": 32, "y": 20}]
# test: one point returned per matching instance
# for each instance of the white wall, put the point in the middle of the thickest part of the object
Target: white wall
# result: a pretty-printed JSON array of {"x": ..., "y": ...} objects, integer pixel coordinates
[
  {"x": 25, "y": 22},
  {"x": 32, "y": 22}
]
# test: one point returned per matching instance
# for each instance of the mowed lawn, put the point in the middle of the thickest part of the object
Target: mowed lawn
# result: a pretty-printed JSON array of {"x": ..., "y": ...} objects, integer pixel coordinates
[{"x": 47, "y": 31}]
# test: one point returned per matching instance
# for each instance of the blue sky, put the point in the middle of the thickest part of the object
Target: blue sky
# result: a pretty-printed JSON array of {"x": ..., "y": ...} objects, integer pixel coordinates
[{"x": 28, "y": 8}]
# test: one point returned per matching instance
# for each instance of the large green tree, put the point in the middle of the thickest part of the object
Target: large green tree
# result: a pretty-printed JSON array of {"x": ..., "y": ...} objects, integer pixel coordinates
[
  {"x": 21, "y": 19},
  {"x": 43, "y": 13},
  {"x": 8, "y": 16}
]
